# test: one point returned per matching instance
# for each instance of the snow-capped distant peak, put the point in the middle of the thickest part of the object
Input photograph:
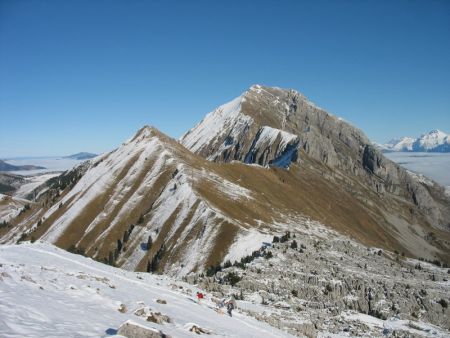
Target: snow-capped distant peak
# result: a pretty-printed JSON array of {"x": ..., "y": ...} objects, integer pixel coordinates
[
  {"x": 435, "y": 132},
  {"x": 401, "y": 144},
  {"x": 434, "y": 141}
]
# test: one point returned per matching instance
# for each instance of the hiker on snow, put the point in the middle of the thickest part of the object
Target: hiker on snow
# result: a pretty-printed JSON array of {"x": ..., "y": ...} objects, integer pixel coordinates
[
  {"x": 231, "y": 305},
  {"x": 200, "y": 296}
]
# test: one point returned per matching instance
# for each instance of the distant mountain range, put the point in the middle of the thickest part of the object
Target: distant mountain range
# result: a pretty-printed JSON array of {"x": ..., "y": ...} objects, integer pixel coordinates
[
  {"x": 9, "y": 167},
  {"x": 81, "y": 156},
  {"x": 435, "y": 141}
]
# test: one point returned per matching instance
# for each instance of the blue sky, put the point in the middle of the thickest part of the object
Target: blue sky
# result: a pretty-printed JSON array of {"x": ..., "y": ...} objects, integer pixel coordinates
[{"x": 85, "y": 75}]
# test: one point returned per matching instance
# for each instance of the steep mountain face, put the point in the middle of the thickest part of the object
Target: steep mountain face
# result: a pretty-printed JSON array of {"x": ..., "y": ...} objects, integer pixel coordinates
[
  {"x": 435, "y": 141},
  {"x": 227, "y": 134},
  {"x": 155, "y": 204},
  {"x": 315, "y": 134},
  {"x": 305, "y": 126}
]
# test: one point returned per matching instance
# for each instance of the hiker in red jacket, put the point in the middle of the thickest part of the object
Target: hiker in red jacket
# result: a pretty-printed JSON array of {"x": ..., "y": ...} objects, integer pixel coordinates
[{"x": 200, "y": 296}]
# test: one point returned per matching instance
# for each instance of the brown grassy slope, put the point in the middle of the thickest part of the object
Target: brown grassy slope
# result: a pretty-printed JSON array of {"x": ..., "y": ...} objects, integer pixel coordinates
[
  {"x": 75, "y": 230},
  {"x": 311, "y": 189}
]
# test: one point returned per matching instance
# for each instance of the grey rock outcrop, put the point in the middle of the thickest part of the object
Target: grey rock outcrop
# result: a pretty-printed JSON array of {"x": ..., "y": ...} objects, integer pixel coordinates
[
  {"x": 321, "y": 283},
  {"x": 131, "y": 329}
]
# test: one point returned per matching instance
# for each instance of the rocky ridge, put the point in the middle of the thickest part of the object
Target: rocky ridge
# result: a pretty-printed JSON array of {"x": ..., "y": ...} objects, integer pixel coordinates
[{"x": 318, "y": 282}]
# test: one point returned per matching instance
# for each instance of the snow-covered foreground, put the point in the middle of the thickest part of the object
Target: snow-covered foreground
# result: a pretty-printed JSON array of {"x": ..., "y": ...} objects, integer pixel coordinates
[{"x": 48, "y": 292}]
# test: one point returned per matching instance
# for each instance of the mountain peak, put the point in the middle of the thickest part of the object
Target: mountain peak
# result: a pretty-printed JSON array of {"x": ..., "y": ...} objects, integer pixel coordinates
[
  {"x": 145, "y": 132},
  {"x": 146, "y": 129},
  {"x": 279, "y": 95},
  {"x": 273, "y": 118},
  {"x": 433, "y": 141},
  {"x": 435, "y": 132}
]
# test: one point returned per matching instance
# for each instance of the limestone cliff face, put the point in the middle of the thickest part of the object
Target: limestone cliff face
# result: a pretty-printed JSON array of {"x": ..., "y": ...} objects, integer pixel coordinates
[{"x": 300, "y": 128}]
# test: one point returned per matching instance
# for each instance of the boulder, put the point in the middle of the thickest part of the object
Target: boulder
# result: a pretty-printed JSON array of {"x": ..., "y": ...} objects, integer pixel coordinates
[
  {"x": 158, "y": 317},
  {"x": 131, "y": 329},
  {"x": 150, "y": 316}
]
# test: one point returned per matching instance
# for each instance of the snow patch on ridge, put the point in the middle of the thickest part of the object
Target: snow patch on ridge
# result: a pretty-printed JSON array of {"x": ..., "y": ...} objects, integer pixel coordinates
[
  {"x": 269, "y": 135},
  {"x": 447, "y": 190},
  {"x": 266, "y": 139},
  {"x": 230, "y": 189},
  {"x": 215, "y": 123},
  {"x": 246, "y": 243}
]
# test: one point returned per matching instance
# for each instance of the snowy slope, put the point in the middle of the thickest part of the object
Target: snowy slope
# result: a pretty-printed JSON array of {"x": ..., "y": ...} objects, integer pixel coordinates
[
  {"x": 31, "y": 183},
  {"x": 149, "y": 161},
  {"x": 401, "y": 144},
  {"x": 10, "y": 207},
  {"x": 215, "y": 123},
  {"x": 47, "y": 292}
]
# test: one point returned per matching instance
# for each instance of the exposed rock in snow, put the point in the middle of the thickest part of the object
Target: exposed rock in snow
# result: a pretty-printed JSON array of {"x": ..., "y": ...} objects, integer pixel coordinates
[
  {"x": 335, "y": 286},
  {"x": 273, "y": 147},
  {"x": 198, "y": 329},
  {"x": 131, "y": 329}
]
